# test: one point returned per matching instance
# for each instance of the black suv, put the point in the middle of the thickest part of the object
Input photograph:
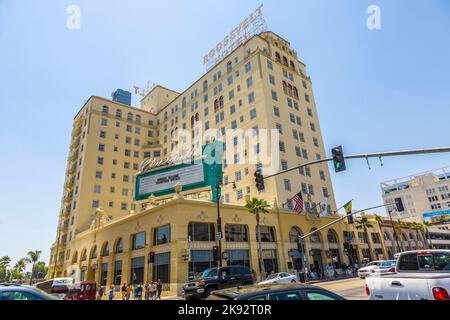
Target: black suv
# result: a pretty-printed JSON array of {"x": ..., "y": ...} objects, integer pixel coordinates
[{"x": 217, "y": 279}]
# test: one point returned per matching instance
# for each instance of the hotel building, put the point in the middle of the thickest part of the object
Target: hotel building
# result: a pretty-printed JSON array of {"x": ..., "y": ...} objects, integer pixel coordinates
[{"x": 103, "y": 234}]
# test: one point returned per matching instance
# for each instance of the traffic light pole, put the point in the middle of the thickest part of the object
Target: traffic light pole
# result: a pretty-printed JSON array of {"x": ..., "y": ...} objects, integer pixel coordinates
[
  {"x": 366, "y": 156},
  {"x": 219, "y": 224}
]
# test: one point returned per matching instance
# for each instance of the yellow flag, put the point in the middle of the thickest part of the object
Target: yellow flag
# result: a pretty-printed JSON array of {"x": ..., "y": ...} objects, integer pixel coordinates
[{"x": 348, "y": 207}]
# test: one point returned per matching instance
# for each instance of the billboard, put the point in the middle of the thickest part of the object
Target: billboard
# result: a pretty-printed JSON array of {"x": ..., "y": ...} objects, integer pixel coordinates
[{"x": 438, "y": 217}]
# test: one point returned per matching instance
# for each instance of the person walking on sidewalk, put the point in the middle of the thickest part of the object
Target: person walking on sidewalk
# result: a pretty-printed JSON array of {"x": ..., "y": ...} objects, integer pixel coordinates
[
  {"x": 112, "y": 293},
  {"x": 123, "y": 291},
  {"x": 152, "y": 291},
  {"x": 159, "y": 287},
  {"x": 129, "y": 290},
  {"x": 101, "y": 292}
]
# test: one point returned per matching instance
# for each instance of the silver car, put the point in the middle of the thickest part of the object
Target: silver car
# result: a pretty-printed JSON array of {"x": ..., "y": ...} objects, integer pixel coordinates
[{"x": 380, "y": 266}]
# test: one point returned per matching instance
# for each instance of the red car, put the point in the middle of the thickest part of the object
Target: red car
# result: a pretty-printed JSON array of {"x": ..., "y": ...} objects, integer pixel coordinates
[{"x": 85, "y": 290}]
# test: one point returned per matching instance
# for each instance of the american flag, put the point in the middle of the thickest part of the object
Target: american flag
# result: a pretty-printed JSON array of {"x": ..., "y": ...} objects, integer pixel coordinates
[{"x": 298, "y": 200}]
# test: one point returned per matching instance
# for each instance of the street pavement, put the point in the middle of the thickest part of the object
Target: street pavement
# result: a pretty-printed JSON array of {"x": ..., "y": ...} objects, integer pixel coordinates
[{"x": 350, "y": 289}]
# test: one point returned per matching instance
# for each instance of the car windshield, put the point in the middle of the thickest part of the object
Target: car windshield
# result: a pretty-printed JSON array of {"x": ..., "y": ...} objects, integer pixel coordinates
[
  {"x": 210, "y": 273},
  {"x": 389, "y": 263}
]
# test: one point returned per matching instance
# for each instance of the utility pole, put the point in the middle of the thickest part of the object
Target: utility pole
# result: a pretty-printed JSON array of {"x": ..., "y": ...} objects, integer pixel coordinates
[{"x": 219, "y": 223}]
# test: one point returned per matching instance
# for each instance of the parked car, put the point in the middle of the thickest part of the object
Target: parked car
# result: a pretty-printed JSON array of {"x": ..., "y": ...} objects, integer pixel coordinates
[
  {"x": 280, "y": 277},
  {"x": 22, "y": 292},
  {"x": 284, "y": 291},
  {"x": 419, "y": 275},
  {"x": 380, "y": 266},
  {"x": 84, "y": 290},
  {"x": 216, "y": 279}
]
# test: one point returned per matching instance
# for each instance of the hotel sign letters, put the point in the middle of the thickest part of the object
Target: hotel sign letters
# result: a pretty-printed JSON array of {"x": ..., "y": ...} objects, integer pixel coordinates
[{"x": 250, "y": 26}]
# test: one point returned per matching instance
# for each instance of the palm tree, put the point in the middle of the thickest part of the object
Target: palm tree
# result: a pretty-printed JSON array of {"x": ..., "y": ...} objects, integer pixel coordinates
[
  {"x": 257, "y": 206},
  {"x": 5, "y": 261},
  {"x": 364, "y": 223},
  {"x": 417, "y": 227},
  {"x": 4, "y": 264},
  {"x": 32, "y": 257},
  {"x": 18, "y": 269},
  {"x": 426, "y": 225}
]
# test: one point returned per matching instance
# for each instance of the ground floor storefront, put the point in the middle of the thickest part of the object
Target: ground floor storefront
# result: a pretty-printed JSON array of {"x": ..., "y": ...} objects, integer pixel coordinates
[{"x": 174, "y": 242}]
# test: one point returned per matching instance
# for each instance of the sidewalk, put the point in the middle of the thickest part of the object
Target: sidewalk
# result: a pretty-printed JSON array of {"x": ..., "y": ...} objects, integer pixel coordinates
[{"x": 329, "y": 279}]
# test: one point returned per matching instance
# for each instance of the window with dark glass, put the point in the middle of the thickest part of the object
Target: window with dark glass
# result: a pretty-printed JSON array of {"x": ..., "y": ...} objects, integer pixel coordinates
[
  {"x": 267, "y": 234},
  {"x": 118, "y": 272},
  {"x": 105, "y": 251},
  {"x": 236, "y": 233},
  {"x": 161, "y": 235},
  {"x": 139, "y": 240},
  {"x": 137, "y": 270},
  {"x": 201, "y": 231},
  {"x": 119, "y": 246},
  {"x": 161, "y": 267}
]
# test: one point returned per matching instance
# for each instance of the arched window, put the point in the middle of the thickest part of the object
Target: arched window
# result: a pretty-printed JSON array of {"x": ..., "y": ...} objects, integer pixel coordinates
[
  {"x": 205, "y": 85},
  {"x": 292, "y": 65},
  {"x": 93, "y": 252},
  {"x": 294, "y": 234},
  {"x": 332, "y": 236},
  {"x": 277, "y": 56},
  {"x": 105, "y": 251},
  {"x": 75, "y": 257},
  {"x": 290, "y": 89},
  {"x": 267, "y": 233},
  {"x": 83, "y": 256},
  {"x": 285, "y": 87},
  {"x": 129, "y": 116},
  {"x": 405, "y": 238},
  {"x": 216, "y": 105},
  {"x": 229, "y": 66},
  {"x": 295, "y": 92},
  {"x": 315, "y": 238},
  {"x": 285, "y": 61},
  {"x": 236, "y": 233},
  {"x": 119, "y": 246},
  {"x": 221, "y": 102},
  {"x": 198, "y": 231}
]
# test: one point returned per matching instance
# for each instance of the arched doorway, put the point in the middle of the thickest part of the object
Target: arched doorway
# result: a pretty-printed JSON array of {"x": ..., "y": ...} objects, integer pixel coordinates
[
  {"x": 296, "y": 254},
  {"x": 316, "y": 261}
]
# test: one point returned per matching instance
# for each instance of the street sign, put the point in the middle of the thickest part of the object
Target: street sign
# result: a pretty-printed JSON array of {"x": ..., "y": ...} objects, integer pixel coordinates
[{"x": 219, "y": 235}]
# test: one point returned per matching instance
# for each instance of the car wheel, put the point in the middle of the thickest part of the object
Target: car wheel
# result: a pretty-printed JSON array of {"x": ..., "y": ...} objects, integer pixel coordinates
[
  {"x": 293, "y": 281},
  {"x": 362, "y": 277}
]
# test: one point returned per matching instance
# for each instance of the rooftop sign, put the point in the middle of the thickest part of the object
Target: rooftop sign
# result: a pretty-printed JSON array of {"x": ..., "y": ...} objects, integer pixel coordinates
[{"x": 253, "y": 24}]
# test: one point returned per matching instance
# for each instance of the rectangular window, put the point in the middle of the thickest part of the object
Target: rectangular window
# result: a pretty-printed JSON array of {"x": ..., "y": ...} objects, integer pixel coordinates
[
  {"x": 161, "y": 235},
  {"x": 271, "y": 79},
  {"x": 104, "y": 122},
  {"x": 276, "y": 111},
  {"x": 249, "y": 82},
  {"x": 269, "y": 65},
  {"x": 287, "y": 184},
  {"x": 138, "y": 240},
  {"x": 161, "y": 267},
  {"x": 274, "y": 95},
  {"x": 253, "y": 114},
  {"x": 251, "y": 97},
  {"x": 101, "y": 147},
  {"x": 118, "y": 272},
  {"x": 248, "y": 67}
]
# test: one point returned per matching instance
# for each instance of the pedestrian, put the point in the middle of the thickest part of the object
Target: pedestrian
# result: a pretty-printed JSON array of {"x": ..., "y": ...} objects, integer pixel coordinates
[
  {"x": 129, "y": 290},
  {"x": 112, "y": 293},
  {"x": 101, "y": 292},
  {"x": 159, "y": 287},
  {"x": 123, "y": 291},
  {"x": 325, "y": 269},
  {"x": 138, "y": 292},
  {"x": 146, "y": 289},
  {"x": 152, "y": 291}
]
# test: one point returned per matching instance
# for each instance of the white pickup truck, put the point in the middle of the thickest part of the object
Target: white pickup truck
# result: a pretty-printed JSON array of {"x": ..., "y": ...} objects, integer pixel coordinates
[{"x": 418, "y": 275}]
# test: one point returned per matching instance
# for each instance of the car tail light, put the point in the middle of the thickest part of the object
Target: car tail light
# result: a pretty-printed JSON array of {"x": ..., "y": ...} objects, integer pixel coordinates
[
  {"x": 424, "y": 252},
  {"x": 367, "y": 290},
  {"x": 373, "y": 271},
  {"x": 440, "y": 294}
]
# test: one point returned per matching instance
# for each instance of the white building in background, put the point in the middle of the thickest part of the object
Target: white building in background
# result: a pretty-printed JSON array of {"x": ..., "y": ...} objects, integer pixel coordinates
[{"x": 425, "y": 196}]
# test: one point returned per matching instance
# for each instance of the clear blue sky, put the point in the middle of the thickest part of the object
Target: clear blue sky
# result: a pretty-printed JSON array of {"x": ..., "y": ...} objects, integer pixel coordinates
[{"x": 375, "y": 90}]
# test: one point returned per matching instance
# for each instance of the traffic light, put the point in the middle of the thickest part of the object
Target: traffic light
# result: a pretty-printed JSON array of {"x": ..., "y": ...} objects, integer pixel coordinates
[
  {"x": 346, "y": 248},
  {"x": 259, "y": 180},
  {"x": 215, "y": 253},
  {"x": 338, "y": 159},
  {"x": 151, "y": 257},
  {"x": 399, "y": 204}
]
